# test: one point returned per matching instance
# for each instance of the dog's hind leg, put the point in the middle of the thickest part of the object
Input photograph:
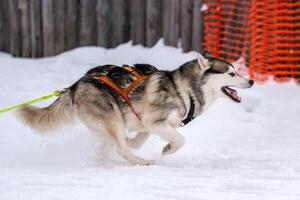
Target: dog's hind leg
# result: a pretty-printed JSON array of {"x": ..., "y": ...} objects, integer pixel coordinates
[
  {"x": 115, "y": 127},
  {"x": 138, "y": 140},
  {"x": 112, "y": 125},
  {"x": 117, "y": 132}
]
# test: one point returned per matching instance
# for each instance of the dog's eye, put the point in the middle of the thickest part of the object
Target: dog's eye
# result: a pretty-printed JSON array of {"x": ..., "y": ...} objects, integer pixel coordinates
[{"x": 232, "y": 74}]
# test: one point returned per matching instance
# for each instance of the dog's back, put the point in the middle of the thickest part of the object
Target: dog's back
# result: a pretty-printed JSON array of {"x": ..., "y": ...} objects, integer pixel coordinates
[
  {"x": 120, "y": 75},
  {"x": 61, "y": 112}
]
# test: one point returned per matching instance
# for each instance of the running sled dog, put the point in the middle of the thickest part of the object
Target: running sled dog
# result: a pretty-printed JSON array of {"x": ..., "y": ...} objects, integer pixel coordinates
[{"x": 112, "y": 100}]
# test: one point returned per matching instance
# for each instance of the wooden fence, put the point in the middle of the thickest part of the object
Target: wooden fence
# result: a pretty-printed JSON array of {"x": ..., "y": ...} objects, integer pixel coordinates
[{"x": 37, "y": 28}]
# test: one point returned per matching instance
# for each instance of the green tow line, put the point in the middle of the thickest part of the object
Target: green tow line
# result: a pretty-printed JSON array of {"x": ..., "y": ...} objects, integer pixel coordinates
[{"x": 54, "y": 94}]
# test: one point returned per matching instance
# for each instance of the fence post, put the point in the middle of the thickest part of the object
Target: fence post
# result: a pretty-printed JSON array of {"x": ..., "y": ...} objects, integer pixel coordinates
[
  {"x": 118, "y": 21},
  {"x": 197, "y": 37},
  {"x": 103, "y": 22},
  {"x": 36, "y": 28},
  {"x": 15, "y": 28},
  {"x": 71, "y": 24},
  {"x": 87, "y": 25},
  {"x": 153, "y": 22},
  {"x": 59, "y": 26},
  {"x": 1, "y": 26},
  {"x": 175, "y": 23},
  {"x": 48, "y": 27},
  {"x": 24, "y": 7},
  {"x": 5, "y": 24},
  {"x": 186, "y": 24},
  {"x": 166, "y": 21},
  {"x": 138, "y": 10}
]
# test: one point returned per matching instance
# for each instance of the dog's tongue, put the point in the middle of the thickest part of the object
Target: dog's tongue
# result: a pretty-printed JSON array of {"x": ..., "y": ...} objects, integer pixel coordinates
[{"x": 235, "y": 95}]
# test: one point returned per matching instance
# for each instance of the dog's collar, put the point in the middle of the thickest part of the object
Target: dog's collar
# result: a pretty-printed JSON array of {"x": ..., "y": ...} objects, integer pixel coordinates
[{"x": 190, "y": 115}]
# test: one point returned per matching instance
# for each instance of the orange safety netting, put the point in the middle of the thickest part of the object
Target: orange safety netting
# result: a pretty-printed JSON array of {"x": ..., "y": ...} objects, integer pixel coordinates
[{"x": 266, "y": 33}]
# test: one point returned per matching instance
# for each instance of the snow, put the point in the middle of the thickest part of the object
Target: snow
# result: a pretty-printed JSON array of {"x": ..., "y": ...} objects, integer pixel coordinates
[
  {"x": 203, "y": 8},
  {"x": 232, "y": 152}
]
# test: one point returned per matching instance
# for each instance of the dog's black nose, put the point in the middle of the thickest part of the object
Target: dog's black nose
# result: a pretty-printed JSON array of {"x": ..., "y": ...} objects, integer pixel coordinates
[{"x": 251, "y": 82}]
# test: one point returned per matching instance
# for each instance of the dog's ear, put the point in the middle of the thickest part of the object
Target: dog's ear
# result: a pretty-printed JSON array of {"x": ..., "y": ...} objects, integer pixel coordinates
[
  {"x": 203, "y": 63},
  {"x": 206, "y": 54}
]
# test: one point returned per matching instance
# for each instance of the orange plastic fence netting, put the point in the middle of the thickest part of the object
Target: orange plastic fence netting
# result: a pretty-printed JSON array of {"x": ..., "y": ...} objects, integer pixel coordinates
[{"x": 266, "y": 33}]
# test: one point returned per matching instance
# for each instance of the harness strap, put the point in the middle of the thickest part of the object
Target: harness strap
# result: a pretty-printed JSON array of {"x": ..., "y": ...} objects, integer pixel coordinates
[
  {"x": 139, "y": 77},
  {"x": 125, "y": 92}
]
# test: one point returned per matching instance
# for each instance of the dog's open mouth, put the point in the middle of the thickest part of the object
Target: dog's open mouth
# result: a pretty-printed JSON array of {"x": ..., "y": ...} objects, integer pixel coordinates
[{"x": 231, "y": 93}]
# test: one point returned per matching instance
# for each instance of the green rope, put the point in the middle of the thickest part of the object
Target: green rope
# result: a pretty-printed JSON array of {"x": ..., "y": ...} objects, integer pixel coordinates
[{"x": 54, "y": 94}]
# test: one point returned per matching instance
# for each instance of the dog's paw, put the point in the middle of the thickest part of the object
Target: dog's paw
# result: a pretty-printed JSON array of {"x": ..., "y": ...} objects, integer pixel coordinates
[{"x": 147, "y": 162}]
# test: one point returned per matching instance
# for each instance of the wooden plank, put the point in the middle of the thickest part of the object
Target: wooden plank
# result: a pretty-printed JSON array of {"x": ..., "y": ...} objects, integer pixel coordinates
[
  {"x": 36, "y": 28},
  {"x": 48, "y": 27},
  {"x": 24, "y": 6},
  {"x": 197, "y": 36},
  {"x": 166, "y": 21},
  {"x": 138, "y": 16},
  {"x": 104, "y": 23},
  {"x": 59, "y": 26},
  {"x": 15, "y": 28},
  {"x": 175, "y": 22},
  {"x": 1, "y": 26},
  {"x": 186, "y": 24},
  {"x": 71, "y": 24},
  {"x": 87, "y": 26},
  {"x": 127, "y": 35},
  {"x": 4, "y": 26},
  {"x": 118, "y": 22},
  {"x": 153, "y": 22}
]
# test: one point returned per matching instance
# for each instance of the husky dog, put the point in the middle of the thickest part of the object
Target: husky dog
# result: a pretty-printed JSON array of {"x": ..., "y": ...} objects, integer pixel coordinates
[{"x": 164, "y": 102}]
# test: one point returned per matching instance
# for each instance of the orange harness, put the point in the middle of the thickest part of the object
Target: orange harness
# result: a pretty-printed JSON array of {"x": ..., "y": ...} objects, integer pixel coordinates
[{"x": 125, "y": 92}]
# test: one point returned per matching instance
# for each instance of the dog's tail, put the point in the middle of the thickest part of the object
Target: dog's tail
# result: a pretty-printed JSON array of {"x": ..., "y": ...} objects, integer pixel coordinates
[{"x": 50, "y": 118}]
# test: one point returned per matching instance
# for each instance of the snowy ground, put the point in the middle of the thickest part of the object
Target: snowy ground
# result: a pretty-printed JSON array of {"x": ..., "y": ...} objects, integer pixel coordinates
[{"x": 234, "y": 151}]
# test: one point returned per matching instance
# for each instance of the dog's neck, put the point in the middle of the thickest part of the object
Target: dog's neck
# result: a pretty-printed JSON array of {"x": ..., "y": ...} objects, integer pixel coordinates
[
  {"x": 197, "y": 88},
  {"x": 209, "y": 95}
]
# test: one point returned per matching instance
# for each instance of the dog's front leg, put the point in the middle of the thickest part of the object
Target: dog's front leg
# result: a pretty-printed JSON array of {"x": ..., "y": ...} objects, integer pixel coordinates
[{"x": 175, "y": 139}]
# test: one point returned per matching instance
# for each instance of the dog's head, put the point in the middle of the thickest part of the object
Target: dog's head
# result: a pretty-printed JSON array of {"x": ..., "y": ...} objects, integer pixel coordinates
[{"x": 221, "y": 76}]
